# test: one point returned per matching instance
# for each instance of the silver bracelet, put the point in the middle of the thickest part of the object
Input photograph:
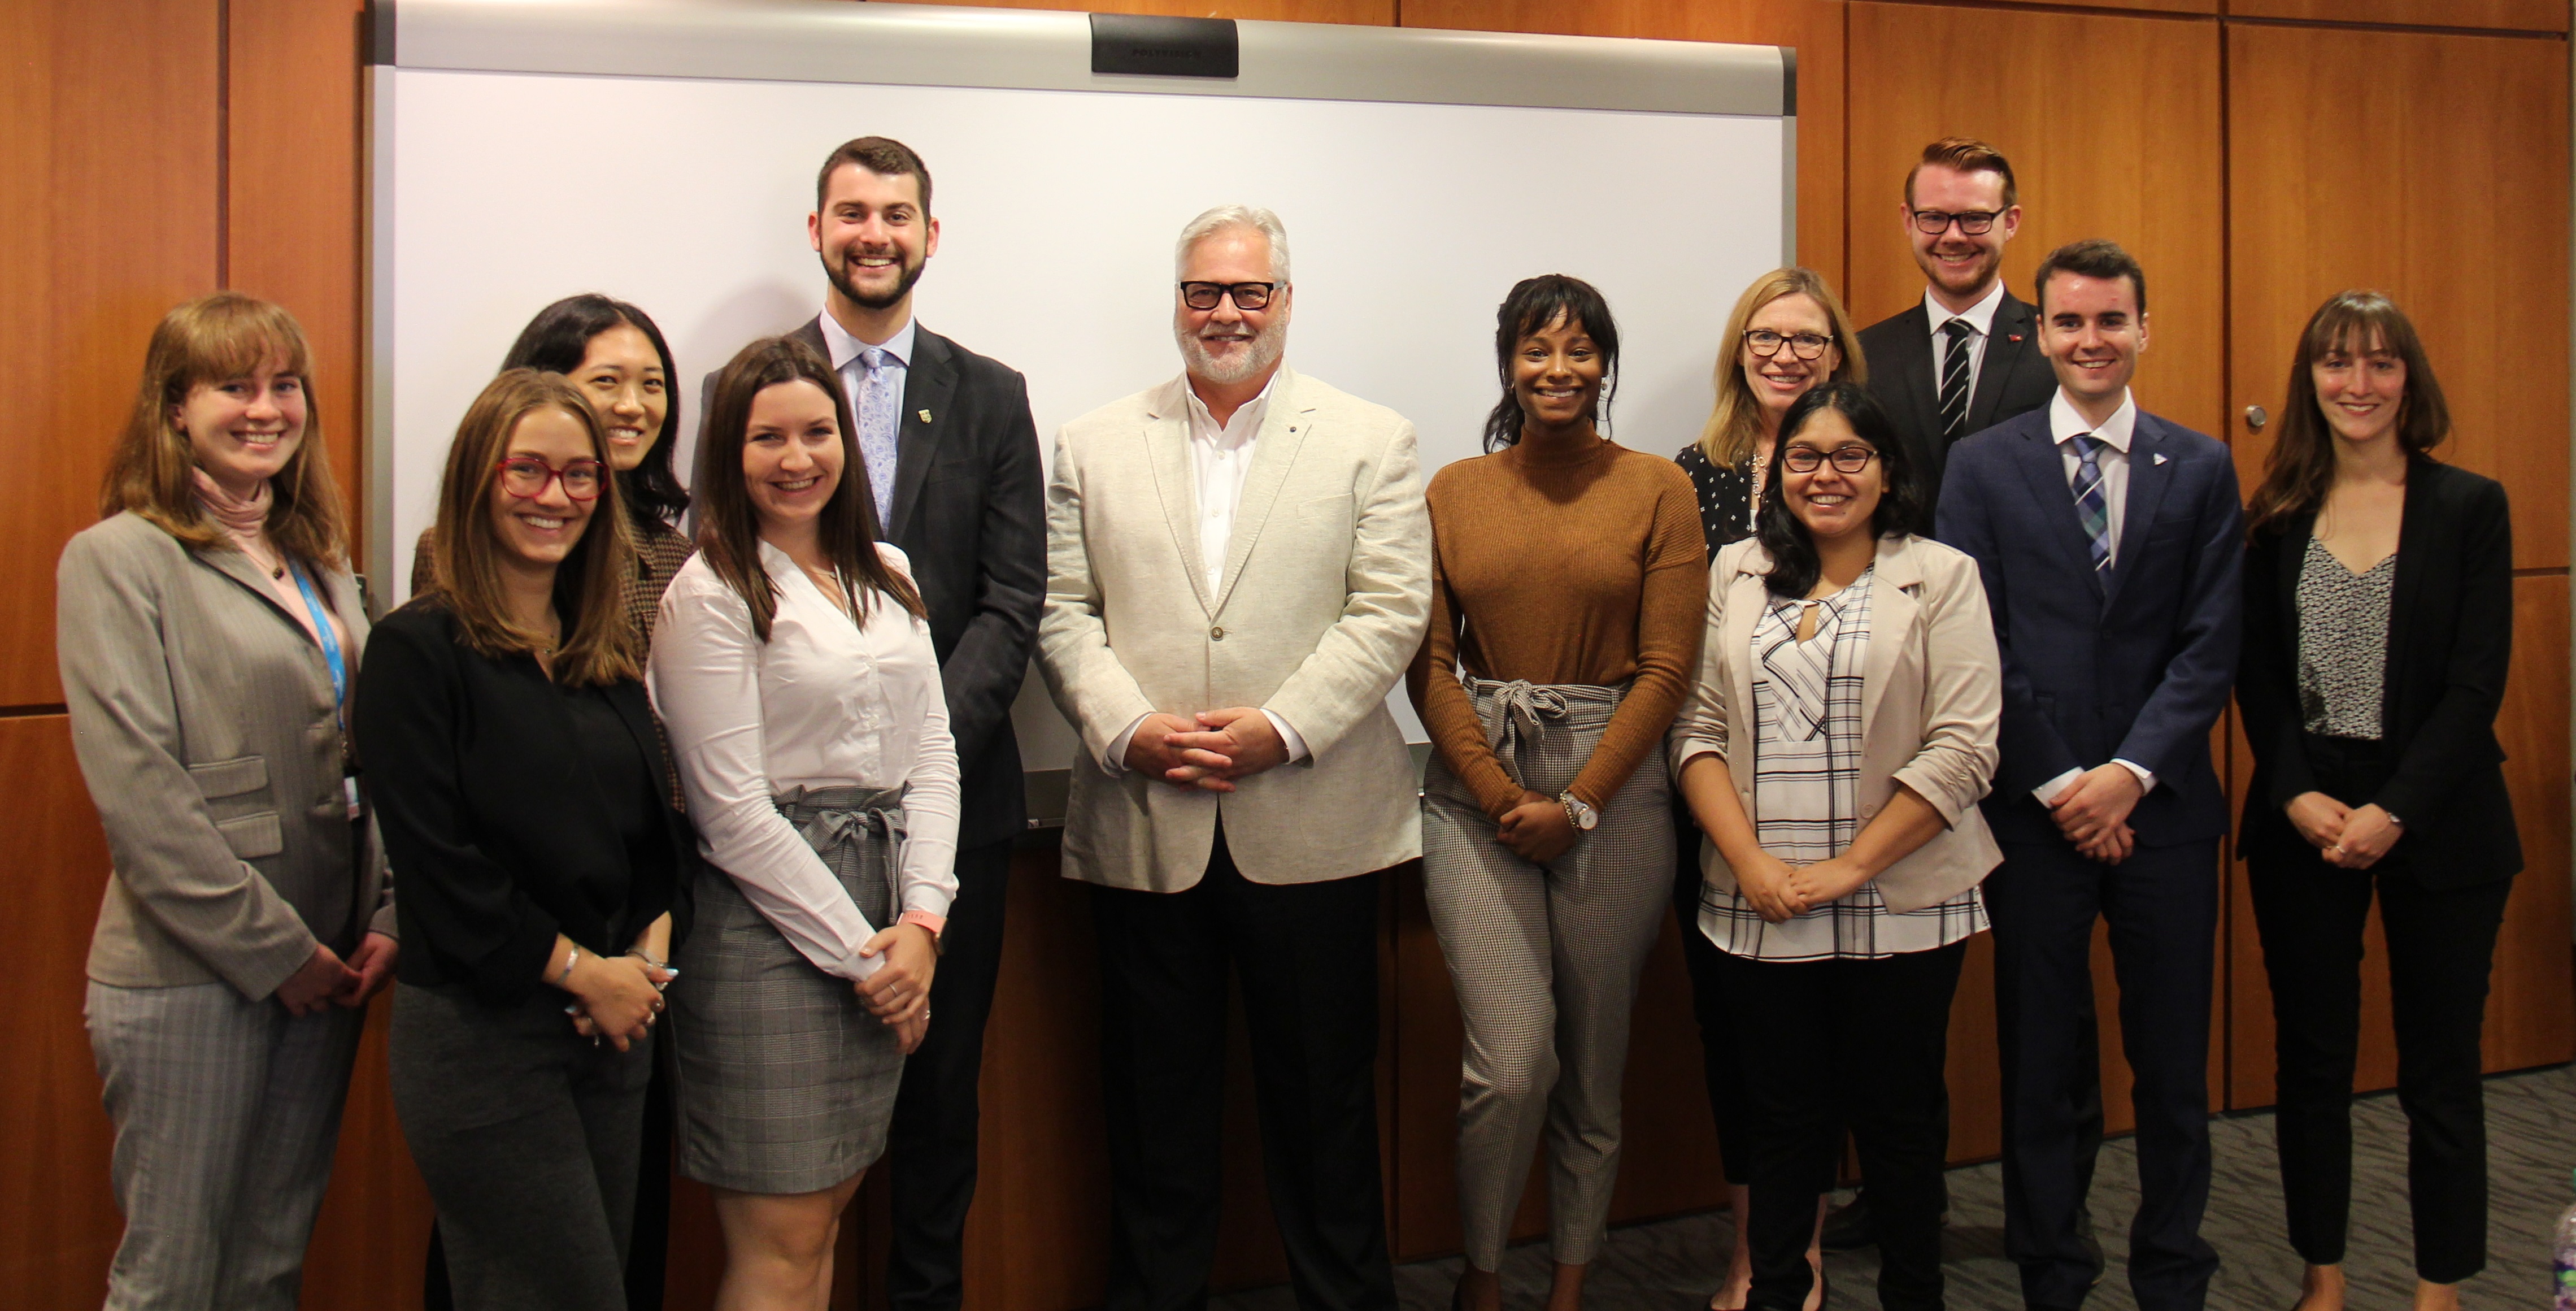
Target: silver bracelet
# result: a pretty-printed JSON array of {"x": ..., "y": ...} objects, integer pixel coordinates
[{"x": 571, "y": 958}]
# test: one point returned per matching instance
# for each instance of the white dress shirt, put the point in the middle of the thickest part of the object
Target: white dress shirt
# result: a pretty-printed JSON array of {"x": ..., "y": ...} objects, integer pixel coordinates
[
  {"x": 1220, "y": 461},
  {"x": 1980, "y": 316},
  {"x": 853, "y": 373},
  {"x": 2064, "y": 425},
  {"x": 824, "y": 703}
]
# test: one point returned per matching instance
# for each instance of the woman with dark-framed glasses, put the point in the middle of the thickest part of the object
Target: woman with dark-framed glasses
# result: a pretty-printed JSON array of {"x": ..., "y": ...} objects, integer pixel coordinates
[
  {"x": 1841, "y": 733},
  {"x": 523, "y": 793},
  {"x": 1787, "y": 335}
]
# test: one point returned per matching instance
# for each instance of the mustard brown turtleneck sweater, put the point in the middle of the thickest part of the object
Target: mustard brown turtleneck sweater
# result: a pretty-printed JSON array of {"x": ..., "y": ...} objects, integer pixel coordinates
[{"x": 1555, "y": 568}]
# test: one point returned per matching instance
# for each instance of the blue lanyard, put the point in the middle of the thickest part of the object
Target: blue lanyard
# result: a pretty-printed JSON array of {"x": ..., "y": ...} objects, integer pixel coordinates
[{"x": 330, "y": 643}]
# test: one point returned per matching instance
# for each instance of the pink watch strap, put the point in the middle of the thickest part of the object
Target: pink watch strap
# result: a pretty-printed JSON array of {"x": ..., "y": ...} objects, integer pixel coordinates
[{"x": 937, "y": 924}]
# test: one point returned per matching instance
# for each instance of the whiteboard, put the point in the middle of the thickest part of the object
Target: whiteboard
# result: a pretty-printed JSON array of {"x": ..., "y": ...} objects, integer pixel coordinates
[{"x": 510, "y": 169}]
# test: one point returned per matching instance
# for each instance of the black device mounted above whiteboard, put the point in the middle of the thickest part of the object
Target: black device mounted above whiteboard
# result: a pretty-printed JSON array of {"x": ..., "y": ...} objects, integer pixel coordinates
[{"x": 1165, "y": 47}]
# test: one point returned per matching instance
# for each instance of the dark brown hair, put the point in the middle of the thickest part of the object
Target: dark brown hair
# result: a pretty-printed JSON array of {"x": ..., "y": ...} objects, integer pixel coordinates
[
  {"x": 558, "y": 339},
  {"x": 600, "y": 643},
  {"x": 883, "y": 156},
  {"x": 2092, "y": 258},
  {"x": 2300, "y": 467},
  {"x": 1966, "y": 155},
  {"x": 215, "y": 339},
  {"x": 728, "y": 527},
  {"x": 1534, "y": 305},
  {"x": 1904, "y": 503}
]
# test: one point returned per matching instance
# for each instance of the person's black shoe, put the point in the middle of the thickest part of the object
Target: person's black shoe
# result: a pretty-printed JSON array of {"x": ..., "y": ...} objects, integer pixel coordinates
[{"x": 1849, "y": 1226}]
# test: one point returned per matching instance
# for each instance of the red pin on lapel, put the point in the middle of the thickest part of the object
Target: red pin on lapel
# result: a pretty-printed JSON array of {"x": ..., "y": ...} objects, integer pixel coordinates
[{"x": 2013, "y": 337}]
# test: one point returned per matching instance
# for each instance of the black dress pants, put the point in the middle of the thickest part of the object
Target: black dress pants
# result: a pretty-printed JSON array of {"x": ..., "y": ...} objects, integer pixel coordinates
[
  {"x": 2162, "y": 907},
  {"x": 1305, "y": 959},
  {"x": 930, "y": 1146},
  {"x": 1857, "y": 1045},
  {"x": 2441, "y": 946},
  {"x": 1719, "y": 1061}
]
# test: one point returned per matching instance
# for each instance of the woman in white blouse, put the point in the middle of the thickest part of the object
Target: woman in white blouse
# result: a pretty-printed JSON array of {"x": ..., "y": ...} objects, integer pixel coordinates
[
  {"x": 1841, "y": 735},
  {"x": 794, "y": 669}
]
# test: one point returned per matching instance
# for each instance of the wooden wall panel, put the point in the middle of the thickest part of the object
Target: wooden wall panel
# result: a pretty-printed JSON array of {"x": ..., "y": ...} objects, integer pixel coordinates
[
  {"x": 108, "y": 193},
  {"x": 1814, "y": 27},
  {"x": 2531, "y": 1010},
  {"x": 2516, "y": 15},
  {"x": 291, "y": 213},
  {"x": 2405, "y": 162},
  {"x": 58, "y": 1221},
  {"x": 2112, "y": 126}
]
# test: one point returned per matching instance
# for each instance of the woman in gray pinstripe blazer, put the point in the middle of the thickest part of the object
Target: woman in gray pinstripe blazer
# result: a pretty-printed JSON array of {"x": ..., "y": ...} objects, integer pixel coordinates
[{"x": 209, "y": 630}]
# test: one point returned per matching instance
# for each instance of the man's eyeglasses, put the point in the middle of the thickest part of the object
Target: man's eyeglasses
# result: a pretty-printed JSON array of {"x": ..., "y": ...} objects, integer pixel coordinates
[
  {"x": 1805, "y": 345},
  {"x": 1974, "y": 222},
  {"x": 1807, "y": 459},
  {"x": 526, "y": 476},
  {"x": 1247, "y": 295}
]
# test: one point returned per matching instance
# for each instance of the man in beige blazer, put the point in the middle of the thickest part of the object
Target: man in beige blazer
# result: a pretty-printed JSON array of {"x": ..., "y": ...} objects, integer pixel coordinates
[{"x": 1239, "y": 569}]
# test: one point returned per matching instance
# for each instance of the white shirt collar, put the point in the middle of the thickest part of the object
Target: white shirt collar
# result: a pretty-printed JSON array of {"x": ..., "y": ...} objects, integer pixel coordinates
[
  {"x": 1243, "y": 427},
  {"x": 1980, "y": 316},
  {"x": 846, "y": 348},
  {"x": 2064, "y": 422}
]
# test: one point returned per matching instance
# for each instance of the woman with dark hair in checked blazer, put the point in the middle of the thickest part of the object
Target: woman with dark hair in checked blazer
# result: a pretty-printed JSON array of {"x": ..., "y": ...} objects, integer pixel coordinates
[
  {"x": 794, "y": 666},
  {"x": 1566, "y": 581},
  {"x": 1841, "y": 733}
]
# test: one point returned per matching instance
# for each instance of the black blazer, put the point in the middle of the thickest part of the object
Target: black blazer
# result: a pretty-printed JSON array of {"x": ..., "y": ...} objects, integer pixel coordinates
[
  {"x": 2134, "y": 662},
  {"x": 468, "y": 764},
  {"x": 2012, "y": 380},
  {"x": 970, "y": 511},
  {"x": 2450, "y": 645}
]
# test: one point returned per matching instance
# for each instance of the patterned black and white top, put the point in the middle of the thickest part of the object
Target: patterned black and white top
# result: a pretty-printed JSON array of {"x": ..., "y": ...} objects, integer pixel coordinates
[
  {"x": 2343, "y": 643},
  {"x": 1726, "y": 496},
  {"x": 1806, "y": 793}
]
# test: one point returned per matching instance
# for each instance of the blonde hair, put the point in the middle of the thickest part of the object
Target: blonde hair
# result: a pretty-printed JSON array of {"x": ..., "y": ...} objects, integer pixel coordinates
[
  {"x": 214, "y": 339},
  {"x": 1734, "y": 425},
  {"x": 600, "y": 640}
]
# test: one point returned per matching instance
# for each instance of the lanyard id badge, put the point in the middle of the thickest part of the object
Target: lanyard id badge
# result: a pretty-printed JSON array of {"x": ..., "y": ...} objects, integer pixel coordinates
[{"x": 339, "y": 678}]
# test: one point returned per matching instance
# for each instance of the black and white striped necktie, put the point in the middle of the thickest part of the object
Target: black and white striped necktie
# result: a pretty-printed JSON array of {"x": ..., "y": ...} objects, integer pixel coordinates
[{"x": 1954, "y": 379}]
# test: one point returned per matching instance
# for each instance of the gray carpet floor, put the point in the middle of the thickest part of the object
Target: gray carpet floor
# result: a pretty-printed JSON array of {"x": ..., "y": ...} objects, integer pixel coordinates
[{"x": 1673, "y": 1265}]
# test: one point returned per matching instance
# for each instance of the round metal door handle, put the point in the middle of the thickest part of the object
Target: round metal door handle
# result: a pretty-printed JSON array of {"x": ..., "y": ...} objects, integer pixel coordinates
[{"x": 2255, "y": 418}]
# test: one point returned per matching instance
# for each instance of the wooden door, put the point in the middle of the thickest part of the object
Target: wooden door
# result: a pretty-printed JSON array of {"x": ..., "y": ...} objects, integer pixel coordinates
[{"x": 2402, "y": 161}]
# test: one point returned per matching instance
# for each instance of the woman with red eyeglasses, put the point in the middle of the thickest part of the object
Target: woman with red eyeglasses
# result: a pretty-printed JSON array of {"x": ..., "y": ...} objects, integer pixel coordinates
[{"x": 523, "y": 794}]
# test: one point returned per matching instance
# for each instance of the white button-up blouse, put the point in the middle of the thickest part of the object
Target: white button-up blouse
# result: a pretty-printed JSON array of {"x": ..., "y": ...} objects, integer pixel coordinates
[{"x": 824, "y": 703}]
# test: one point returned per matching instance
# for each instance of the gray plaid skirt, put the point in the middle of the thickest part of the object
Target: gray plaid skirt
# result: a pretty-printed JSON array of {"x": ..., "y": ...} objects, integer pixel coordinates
[{"x": 785, "y": 1082}]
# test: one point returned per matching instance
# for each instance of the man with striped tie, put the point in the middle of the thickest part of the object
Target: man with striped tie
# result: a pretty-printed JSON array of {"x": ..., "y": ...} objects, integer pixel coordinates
[
  {"x": 2111, "y": 545},
  {"x": 1967, "y": 357}
]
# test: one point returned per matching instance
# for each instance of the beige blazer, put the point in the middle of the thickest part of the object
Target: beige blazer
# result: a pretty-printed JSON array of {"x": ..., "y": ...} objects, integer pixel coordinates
[
  {"x": 1932, "y": 698},
  {"x": 1325, "y": 593},
  {"x": 201, "y": 714}
]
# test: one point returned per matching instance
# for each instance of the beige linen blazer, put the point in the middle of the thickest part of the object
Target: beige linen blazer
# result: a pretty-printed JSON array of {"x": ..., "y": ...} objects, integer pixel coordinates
[
  {"x": 201, "y": 714},
  {"x": 1932, "y": 698},
  {"x": 1324, "y": 597}
]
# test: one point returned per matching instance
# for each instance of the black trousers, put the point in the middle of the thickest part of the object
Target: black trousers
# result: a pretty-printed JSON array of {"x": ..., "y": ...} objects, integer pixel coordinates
[
  {"x": 1719, "y": 1062},
  {"x": 930, "y": 1147},
  {"x": 2162, "y": 907},
  {"x": 1305, "y": 959},
  {"x": 1837, "y": 1045},
  {"x": 2441, "y": 946}
]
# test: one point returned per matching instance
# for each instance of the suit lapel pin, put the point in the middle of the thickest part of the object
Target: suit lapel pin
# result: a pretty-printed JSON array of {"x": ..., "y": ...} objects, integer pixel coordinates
[
  {"x": 2160, "y": 457},
  {"x": 925, "y": 415},
  {"x": 2013, "y": 337}
]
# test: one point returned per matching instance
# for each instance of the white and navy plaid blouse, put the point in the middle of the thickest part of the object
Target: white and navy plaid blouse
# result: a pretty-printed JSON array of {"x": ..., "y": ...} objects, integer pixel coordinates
[{"x": 1806, "y": 793}]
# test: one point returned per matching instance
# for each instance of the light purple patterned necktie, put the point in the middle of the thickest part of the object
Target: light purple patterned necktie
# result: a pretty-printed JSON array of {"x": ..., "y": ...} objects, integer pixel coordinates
[{"x": 878, "y": 404}]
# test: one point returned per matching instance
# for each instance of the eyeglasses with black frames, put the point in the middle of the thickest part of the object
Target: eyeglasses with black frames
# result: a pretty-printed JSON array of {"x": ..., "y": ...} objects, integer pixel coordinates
[
  {"x": 1807, "y": 459},
  {"x": 1253, "y": 296},
  {"x": 1974, "y": 222},
  {"x": 1805, "y": 345},
  {"x": 526, "y": 477}
]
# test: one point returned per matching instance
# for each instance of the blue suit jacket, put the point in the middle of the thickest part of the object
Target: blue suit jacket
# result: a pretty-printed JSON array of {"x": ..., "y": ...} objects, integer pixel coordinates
[{"x": 2133, "y": 662}]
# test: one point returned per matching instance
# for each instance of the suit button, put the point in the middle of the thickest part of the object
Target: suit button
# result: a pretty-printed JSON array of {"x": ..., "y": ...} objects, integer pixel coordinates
[{"x": 1216, "y": 634}]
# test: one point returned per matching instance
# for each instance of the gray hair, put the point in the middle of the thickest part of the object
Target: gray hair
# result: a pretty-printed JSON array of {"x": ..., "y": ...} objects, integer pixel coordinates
[{"x": 1234, "y": 216}]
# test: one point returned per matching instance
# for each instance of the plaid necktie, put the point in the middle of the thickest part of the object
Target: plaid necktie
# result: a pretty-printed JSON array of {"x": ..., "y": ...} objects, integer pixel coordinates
[
  {"x": 2092, "y": 503},
  {"x": 878, "y": 402},
  {"x": 1954, "y": 380}
]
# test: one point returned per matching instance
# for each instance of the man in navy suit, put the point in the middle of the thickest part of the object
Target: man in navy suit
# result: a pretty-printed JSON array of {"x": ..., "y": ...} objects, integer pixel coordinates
[{"x": 2111, "y": 545}]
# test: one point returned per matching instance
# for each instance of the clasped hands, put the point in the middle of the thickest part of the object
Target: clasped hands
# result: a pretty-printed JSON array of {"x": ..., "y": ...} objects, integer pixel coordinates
[
  {"x": 1209, "y": 752},
  {"x": 1781, "y": 891},
  {"x": 2093, "y": 812},
  {"x": 326, "y": 980},
  {"x": 898, "y": 994},
  {"x": 2351, "y": 837}
]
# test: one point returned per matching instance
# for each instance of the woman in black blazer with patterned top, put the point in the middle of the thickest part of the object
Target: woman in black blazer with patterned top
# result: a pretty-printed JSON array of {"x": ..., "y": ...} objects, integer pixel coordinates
[{"x": 2378, "y": 633}]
